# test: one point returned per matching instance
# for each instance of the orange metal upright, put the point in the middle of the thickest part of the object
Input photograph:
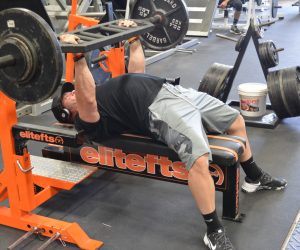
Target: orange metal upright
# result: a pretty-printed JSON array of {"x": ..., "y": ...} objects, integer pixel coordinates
[
  {"x": 114, "y": 63},
  {"x": 74, "y": 21},
  {"x": 17, "y": 185},
  {"x": 115, "y": 56}
]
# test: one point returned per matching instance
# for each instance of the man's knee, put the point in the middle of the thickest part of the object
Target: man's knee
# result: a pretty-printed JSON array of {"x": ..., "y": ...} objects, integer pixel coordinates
[
  {"x": 200, "y": 167},
  {"x": 237, "y": 4},
  {"x": 238, "y": 124}
]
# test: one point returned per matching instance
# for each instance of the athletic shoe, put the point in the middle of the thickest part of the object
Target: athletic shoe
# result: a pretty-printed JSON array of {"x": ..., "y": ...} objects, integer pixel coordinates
[
  {"x": 266, "y": 182},
  {"x": 234, "y": 29},
  {"x": 218, "y": 241}
]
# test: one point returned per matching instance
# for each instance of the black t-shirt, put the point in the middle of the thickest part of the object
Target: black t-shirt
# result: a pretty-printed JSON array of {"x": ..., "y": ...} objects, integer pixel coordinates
[{"x": 123, "y": 106}]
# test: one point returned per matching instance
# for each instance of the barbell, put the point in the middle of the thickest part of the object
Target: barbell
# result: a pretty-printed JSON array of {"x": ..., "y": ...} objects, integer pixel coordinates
[
  {"x": 239, "y": 41},
  {"x": 267, "y": 50},
  {"x": 31, "y": 62}
]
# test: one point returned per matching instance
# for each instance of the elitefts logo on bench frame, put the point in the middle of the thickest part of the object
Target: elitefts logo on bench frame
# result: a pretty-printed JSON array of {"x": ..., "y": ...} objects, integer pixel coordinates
[
  {"x": 42, "y": 137},
  {"x": 146, "y": 164}
]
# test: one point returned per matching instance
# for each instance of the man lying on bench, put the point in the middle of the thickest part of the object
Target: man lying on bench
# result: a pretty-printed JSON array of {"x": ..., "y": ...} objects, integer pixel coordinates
[{"x": 174, "y": 115}]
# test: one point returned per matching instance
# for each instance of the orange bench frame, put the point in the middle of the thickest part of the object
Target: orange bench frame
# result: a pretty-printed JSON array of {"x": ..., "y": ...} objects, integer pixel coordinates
[{"x": 18, "y": 188}]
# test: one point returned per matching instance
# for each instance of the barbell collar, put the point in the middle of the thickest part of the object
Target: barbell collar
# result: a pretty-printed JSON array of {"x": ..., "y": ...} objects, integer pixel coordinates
[
  {"x": 6, "y": 61},
  {"x": 227, "y": 37},
  {"x": 156, "y": 19}
]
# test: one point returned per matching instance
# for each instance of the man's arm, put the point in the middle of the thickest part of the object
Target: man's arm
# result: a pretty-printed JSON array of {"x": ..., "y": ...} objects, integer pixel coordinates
[
  {"x": 85, "y": 92},
  {"x": 136, "y": 62},
  {"x": 224, "y": 4},
  {"x": 137, "y": 58},
  {"x": 85, "y": 89}
]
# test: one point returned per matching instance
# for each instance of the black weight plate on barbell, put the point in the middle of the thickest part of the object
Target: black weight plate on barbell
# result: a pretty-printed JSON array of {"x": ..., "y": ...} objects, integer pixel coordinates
[
  {"x": 239, "y": 43},
  {"x": 275, "y": 59},
  {"x": 171, "y": 30},
  {"x": 272, "y": 54},
  {"x": 291, "y": 90},
  {"x": 262, "y": 53},
  {"x": 49, "y": 61},
  {"x": 274, "y": 8},
  {"x": 258, "y": 30},
  {"x": 268, "y": 54},
  {"x": 12, "y": 45},
  {"x": 273, "y": 81},
  {"x": 215, "y": 81}
]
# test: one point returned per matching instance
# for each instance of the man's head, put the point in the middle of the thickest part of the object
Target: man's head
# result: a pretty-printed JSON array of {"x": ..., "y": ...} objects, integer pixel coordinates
[{"x": 64, "y": 106}]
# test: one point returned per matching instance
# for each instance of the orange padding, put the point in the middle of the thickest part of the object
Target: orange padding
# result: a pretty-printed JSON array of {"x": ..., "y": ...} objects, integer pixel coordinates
[
  {"x": 236, "y": 157},
  {"x": 228, "y": 139}
]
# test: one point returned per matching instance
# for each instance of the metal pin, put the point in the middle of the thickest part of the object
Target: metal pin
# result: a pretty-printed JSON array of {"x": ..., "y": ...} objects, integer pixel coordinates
[
  {"x": 22, "y": 169},
  {"x": 24, "y": 237},
  {"x": 48, "y": 242}
]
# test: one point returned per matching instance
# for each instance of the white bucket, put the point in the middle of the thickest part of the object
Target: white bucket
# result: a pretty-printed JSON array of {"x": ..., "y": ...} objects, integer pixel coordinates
[{"x": 253, "y": 99}]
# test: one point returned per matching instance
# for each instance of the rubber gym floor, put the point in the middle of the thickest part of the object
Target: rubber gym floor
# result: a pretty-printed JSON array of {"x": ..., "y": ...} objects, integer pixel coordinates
[{"x": 133, "y": 213}]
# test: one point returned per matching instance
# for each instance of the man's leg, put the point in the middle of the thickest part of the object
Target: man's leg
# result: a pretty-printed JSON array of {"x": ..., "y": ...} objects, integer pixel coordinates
[
  {"x": 238, "y": 128},
  {"x": 236, "y": 17},
  {"x": 256, "y": 178},
  {"x": 202, "y": 187},
  {"x": 176, "y": 122},
  {"x": 237, "y": 5}
]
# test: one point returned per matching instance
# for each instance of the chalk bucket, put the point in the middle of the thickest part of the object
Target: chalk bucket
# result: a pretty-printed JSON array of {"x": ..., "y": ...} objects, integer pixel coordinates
[{"x": 253, "y": 99}]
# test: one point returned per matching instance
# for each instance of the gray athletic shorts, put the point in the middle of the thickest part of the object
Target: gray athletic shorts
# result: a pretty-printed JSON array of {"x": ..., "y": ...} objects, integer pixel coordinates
[{"x": 181, "y": 117}]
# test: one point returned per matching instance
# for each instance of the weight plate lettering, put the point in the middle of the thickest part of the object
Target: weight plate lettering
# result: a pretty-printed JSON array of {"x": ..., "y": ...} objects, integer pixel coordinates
[{"x": 170, "y": 18}]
